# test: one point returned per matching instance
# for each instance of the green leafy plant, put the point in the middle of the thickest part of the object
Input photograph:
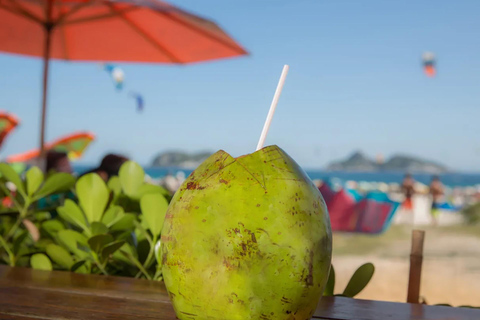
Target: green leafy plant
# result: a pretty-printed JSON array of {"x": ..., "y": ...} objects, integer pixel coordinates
[
  {"x": 19, "y": 222},
  {"x": 361, "y": 277},
  {"x": 90, "y": 227},
  {"x": 102, "y": 236}
]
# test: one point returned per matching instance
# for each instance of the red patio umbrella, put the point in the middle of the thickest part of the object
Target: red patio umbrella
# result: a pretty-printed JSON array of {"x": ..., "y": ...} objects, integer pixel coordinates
[{"x": 109, "y": 30}]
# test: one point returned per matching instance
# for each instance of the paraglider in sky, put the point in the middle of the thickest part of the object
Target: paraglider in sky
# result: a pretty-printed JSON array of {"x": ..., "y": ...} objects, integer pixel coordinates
[
  {"x": 117, "y": 74},
  {"x": 73, "y": 144},
  {"x": 8, "y": 122},
  {"x": 139, "y": 99},
  {"x": 428, "y": 59}
]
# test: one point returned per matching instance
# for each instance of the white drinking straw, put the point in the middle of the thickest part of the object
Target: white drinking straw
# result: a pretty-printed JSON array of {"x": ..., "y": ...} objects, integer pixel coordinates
[{"x": 273, "y": 106}]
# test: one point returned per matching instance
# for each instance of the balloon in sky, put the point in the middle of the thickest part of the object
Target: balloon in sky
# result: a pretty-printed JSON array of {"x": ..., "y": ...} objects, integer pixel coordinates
[
  {"x": 117, "y": 74},
  {"x": 139, "y": 99},
  {"x": 428, "y": 59}
]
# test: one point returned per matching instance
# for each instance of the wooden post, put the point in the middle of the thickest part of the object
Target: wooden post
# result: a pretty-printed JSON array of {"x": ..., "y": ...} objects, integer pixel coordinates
[{"x": 416, "y": 259}]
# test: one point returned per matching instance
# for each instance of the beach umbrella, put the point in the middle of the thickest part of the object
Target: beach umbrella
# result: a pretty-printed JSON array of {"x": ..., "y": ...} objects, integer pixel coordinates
[
  {"x": 8, "y": 122},
  {"x": 108, "y": 30},
  {"x": 73, "y": 145}
]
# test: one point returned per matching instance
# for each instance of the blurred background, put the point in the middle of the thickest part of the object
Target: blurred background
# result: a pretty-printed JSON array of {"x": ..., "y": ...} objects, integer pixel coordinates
[{"x": 376, "y": 90}]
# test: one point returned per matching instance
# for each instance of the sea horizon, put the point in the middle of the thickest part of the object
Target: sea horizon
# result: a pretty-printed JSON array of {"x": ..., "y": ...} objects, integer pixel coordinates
[{"x": 450, "y": 178}]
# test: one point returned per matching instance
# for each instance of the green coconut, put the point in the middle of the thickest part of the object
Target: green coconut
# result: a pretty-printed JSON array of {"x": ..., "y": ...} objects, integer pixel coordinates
[{"x": 246, "y": 238}]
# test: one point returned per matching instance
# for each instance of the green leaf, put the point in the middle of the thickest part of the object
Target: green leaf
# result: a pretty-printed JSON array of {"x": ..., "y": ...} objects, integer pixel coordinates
[
  {"x": 115, "y": 185},
  {"x": 111, "y": 248},
  {"x": 93, "y": 196},
  {"x": 42, "y": 216},
  {"x": 56, "y": 183},
  {"x": 70, "y": 238},
  {"x": 34, "y": 177},
  {"x": 359, "y": 280},
  {"x": 70, "y": 212},
  {"x": 7, "y": 171},
  {"x": 154, "y": 206},
  {"x": 126, "y": 251},
  {"x": 60, "y": 256},
  {"x": 147, "y": 188},
  {"x": 79, "y": 267},
  {"x": 112, "y": 215},
  {"x": 99, "y": 241},
  {"x": 40, "y": 261},
  {"x": 98, "y": 228},
  {"x": 17, "y": 243},
  {"x": 52, "y": 227},
  {"x": 43, "y": 243},
  {"x": 127, "y": 222},
  {"x": 83, "y": 247},
  {"x": 330, "y": 287},
  {"x": 131, "y": 177}
]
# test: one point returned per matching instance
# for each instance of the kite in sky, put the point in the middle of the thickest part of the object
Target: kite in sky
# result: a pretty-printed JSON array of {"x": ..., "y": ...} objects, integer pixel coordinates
[
  {"x": 117, "y": 74},
  {"x": 428, "y": 60},
  {"x": 139, "y": 100}
]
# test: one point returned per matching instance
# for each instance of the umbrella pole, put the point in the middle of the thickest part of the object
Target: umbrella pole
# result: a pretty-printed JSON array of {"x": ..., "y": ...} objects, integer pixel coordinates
[{"x": 46, "y": 63}]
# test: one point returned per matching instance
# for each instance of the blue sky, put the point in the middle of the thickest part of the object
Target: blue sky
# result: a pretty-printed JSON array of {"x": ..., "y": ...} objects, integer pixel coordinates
[{"x": 355, "y": 83}]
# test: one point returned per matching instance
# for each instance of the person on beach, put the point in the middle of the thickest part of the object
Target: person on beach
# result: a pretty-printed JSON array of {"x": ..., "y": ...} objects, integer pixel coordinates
[
  {"x": 408, "y": 188},
  {"x": 437, "y": 192},
  {"x": 109, "y": 167},
  {"x": 58, "y": 162}
]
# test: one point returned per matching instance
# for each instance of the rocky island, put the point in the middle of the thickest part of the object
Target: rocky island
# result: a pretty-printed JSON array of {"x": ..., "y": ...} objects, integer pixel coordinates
[
  {"x": 180, "y": 159},
  {"x": 360, "y": 162}
]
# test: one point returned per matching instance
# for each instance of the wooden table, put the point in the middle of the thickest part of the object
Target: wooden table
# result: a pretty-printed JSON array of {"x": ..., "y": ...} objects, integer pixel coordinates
[{"x": 32, "y": 294}]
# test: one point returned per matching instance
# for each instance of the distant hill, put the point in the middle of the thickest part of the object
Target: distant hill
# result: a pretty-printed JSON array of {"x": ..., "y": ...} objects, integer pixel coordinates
[
  {"x": 180, "y": 159},
  {"x": 359, "y": 162},
  {"x": 356, "y": 162}
]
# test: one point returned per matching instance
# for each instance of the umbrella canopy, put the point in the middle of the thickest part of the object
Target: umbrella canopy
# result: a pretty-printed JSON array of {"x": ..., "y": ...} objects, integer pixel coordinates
[
  {"x": 73, "y": 145},
  {"x": 8, "y": 122},
  {"x": 109, "y": 30}
]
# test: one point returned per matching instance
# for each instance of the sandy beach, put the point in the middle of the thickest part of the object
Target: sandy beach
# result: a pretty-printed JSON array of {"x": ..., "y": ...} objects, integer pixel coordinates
[{"x": 451, "y": 268}]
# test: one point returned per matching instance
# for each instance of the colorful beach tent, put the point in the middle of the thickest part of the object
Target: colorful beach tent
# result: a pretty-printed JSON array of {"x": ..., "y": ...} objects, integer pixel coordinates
[
  {"x": 8, "y": 122},
  {"x": 351, "y": 212},
  {"x": 74, "y": 145}
]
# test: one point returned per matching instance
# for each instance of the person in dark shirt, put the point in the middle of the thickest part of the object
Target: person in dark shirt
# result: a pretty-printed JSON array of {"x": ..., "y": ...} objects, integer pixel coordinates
[
  {"x": 408, "y": 188},
  {"x": 109, "y": 167},
  {"x": 58, "y": 162}
]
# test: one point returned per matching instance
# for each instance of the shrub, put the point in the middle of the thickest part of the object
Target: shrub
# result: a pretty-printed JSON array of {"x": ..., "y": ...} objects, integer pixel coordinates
[{"x": 84, "y": 225}]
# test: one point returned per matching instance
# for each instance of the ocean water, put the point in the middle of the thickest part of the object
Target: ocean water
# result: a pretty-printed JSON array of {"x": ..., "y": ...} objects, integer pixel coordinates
[{"x": 449, "y": 179}]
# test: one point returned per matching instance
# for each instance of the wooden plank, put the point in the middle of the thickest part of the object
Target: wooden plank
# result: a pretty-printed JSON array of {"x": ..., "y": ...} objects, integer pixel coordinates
[
  {"x": 50, "y": 304},
  {"x": 98, "y": 285},
  {"x": 340, "y": 308},
  {"x": 5, "y": 316},
  {"x": 27, "y": 294}
]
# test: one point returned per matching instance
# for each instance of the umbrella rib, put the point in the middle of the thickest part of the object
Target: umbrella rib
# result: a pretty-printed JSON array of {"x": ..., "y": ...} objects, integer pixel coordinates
[
  {"x": 18, "y": 9},
  {"x": 201, "y": 30},
  {"x": 145, "y": 35},
  {"x": 97, "y": 17},
  {"x": 65, "y": 15}
]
